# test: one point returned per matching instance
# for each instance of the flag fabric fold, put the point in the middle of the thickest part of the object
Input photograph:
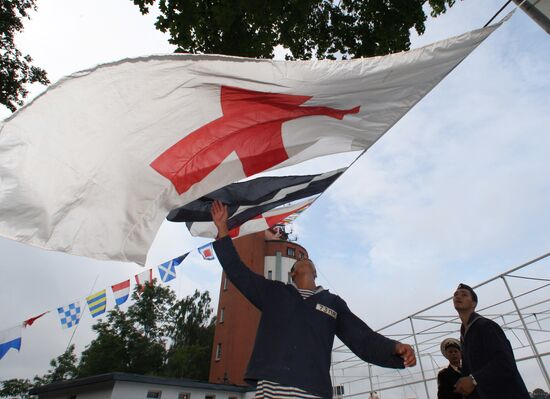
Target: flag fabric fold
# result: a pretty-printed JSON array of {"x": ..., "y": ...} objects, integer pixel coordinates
[
  {"x": 10, "y": 339},
  {"x": 69, "y": 315},
  {"x": 97, "y": 303},
  {"x": 280, "y": 216},
  {"x": 93, "y": 166},
  {"x": 251, "y": 198},
  {"x": 121, "y": 292}
]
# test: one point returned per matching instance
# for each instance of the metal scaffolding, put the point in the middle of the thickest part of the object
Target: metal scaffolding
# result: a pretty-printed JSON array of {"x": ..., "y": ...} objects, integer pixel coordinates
[{"x": 518, "y": 300}]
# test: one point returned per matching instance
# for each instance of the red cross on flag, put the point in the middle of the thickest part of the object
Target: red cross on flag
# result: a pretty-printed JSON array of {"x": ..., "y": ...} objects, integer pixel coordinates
[{"x": 93, "y": 166}]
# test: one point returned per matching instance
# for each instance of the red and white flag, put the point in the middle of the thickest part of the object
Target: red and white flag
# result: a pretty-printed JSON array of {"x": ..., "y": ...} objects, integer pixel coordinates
[
  {"x": 30, "y": 321},
  {"x": 121, "y": 291},
  {"x": 281, "y": 215},
  {"x": 93, "y": 166},
  {"x": 144, "y": 278},
  {"x": 207, "y": 251}
]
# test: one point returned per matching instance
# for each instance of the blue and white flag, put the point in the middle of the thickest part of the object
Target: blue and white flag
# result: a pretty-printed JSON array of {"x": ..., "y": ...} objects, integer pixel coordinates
[
  {"x": 177, "y": 261},
  {"x": 10, "y": 338},
  {"x": 207, "y": 252},
  {"x": 69, "y": 315},
  {"x": 167, "y": 270}
]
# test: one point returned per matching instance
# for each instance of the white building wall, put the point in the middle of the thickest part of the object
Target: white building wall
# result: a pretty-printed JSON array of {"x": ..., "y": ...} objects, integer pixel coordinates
[
  {"x": 133, "y": 390},
  {"x": 270, "y": 265},
  {"x": 102, "y": 394},
  {"x": 80, "y": 393}
]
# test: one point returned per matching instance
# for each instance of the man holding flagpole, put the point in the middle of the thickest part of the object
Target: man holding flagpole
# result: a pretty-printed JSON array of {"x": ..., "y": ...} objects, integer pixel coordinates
[{"x": 292, "y": 353}]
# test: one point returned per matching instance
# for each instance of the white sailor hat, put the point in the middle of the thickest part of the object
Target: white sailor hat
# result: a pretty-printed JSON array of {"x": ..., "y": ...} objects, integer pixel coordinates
[{"x": 450, "y": 342}]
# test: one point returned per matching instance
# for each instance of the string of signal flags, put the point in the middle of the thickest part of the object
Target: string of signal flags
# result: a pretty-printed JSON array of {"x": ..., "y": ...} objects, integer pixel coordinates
[{"x": 70, "y": 315}]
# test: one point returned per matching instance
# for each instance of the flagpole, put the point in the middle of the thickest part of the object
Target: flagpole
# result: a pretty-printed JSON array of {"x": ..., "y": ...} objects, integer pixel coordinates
[
  {"x": 81, "y": 314},
  {"x": 365, "y": 150},
  {"x": 498, "y": 12}
]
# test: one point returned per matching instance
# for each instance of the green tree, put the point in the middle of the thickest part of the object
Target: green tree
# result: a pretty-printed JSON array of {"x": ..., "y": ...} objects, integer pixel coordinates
[
  {"x": 15, "y": 68},
  {"x": 63, "y": 367},
  {"x": 191, "y": 332},
  {"x": 320, "y": 28},
  {"x": 157, "y": 335},
  {"x": 15, "y": 388},
  {"x": 109, "y": 351},
  {"x": 132, "y": 341}
]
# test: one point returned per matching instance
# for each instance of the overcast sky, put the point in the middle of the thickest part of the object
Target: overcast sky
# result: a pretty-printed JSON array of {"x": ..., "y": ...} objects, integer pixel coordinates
[{"x": 457, "y": 191}]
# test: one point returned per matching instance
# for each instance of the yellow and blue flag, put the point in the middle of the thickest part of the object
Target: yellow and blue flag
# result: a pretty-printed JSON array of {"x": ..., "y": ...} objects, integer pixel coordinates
[{"x": 97, "y": 303}]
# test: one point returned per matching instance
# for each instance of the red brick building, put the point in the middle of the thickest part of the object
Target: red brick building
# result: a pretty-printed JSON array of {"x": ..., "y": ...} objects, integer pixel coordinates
[{"x": 237, "y": 319}]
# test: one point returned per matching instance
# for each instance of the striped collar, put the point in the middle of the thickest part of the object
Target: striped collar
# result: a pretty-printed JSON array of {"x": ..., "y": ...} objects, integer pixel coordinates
[{"x": 305, "y": 293}]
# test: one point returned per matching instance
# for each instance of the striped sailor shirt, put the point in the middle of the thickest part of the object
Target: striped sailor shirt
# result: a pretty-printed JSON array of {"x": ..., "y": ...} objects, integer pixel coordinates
[{"x": 272, "y": 390}]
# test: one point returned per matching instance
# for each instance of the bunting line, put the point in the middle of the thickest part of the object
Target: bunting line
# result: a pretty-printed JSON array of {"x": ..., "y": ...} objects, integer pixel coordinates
[{"x": 71, "y": 314}]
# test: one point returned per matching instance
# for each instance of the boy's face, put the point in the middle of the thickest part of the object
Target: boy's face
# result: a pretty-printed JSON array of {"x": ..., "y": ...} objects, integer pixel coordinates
[{"x": 453, "y": 355}]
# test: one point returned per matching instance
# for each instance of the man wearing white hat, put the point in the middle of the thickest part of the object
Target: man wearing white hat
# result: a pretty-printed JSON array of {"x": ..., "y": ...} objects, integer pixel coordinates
[{"x": 447, "y": 378}]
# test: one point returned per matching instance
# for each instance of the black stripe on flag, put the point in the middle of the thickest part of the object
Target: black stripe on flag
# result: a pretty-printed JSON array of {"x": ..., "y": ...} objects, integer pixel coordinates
[{"x": 256, "y": 196}]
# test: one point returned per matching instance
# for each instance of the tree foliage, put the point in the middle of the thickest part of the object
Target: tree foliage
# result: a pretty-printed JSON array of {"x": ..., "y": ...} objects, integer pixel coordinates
[
  {"x": 15, "y": 387},
  {"x": 63, "y": 367},
  {"x": 157, "y": 335},
  {"x": 308, "y": 28},
  {"x": 15, "y": 68},
  {"x": 191, "y": 331}
]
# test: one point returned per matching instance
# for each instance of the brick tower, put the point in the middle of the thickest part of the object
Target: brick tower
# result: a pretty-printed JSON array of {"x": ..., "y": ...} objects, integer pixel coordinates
[{"x": 237, "y": 319}]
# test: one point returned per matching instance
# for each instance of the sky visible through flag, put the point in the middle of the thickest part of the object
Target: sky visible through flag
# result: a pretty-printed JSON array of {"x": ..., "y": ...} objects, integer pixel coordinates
[{"x": 457, "y": 191}]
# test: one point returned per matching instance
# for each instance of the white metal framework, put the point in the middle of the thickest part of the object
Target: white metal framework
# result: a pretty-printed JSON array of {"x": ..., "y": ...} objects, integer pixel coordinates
[{"x": 518, "y": 300}]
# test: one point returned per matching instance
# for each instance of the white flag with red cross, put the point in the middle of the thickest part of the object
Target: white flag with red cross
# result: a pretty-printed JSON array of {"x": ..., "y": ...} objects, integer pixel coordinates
[{"x": 93, "y": 166}]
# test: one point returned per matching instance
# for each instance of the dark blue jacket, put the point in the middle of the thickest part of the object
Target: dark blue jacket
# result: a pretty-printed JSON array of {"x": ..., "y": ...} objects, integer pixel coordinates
[
  {"x": 488, "y": 356},
  {"x": 446, "y": 380},
  {"x": 295, "y": 336}
]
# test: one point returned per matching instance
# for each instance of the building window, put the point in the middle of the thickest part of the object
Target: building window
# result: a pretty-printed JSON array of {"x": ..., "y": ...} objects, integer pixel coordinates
[
  {"x": 219, "y": 352},
  {"x": 222, "y": 315},
  {"x": 290, "y": 252},
  {"x": 184, "y": 395},
  {"x": 302, "y": 255},
  {"x": 224, "y": 282},
  {"x": 209, "y": 396},
  {"x": 153, "y": 394},
  {"x": 269, "y": 275}
]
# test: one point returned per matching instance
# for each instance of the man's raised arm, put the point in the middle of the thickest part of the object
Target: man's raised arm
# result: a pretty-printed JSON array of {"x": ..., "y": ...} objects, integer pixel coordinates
[{"x": 250, "y": 284}]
